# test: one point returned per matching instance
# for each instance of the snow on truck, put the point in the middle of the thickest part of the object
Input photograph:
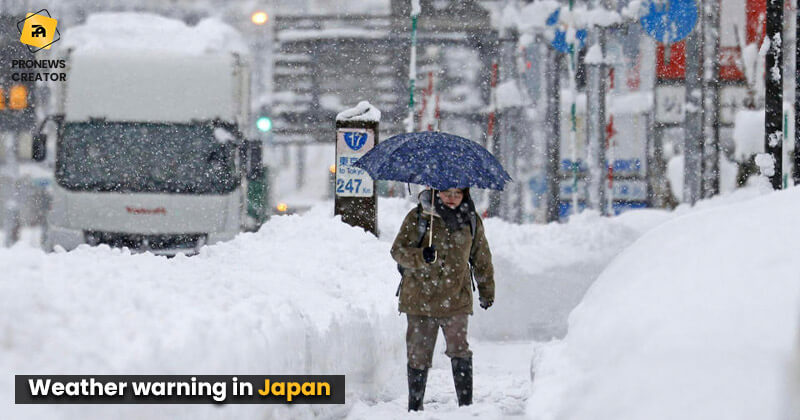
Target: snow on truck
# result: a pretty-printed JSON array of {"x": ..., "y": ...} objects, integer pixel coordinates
[{"x": 149, "y": 149}]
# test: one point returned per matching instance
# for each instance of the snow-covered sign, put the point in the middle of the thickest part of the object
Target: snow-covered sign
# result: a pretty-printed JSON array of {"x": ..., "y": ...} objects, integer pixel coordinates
[
  {"x": 670, "y": 100},
  {"x": 669, "y": 21},
  {"x": 351, "y": 144}
]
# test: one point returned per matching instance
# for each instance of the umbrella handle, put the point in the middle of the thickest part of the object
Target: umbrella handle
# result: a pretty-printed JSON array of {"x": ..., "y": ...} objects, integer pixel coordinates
[{"x": 430, "y": 237}]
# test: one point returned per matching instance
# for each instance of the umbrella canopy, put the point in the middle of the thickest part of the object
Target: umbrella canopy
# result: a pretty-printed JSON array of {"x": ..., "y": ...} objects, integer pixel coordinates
[{"x": 433, "y": 158}]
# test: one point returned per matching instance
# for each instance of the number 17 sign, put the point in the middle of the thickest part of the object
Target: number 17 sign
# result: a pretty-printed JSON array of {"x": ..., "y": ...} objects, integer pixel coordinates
[{"x": 351, "y": 144}]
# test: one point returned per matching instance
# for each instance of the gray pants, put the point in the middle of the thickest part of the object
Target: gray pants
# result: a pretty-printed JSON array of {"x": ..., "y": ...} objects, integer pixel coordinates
[{"x": 421, "y": 338}]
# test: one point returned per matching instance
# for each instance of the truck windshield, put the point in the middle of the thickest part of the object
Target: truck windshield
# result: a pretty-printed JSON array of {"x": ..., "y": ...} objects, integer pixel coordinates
[{"x": 145, "y": 157}]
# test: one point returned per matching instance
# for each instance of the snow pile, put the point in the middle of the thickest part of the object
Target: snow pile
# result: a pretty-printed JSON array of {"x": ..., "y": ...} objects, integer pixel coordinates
[
  {"x": 727, "y": 175},
  {"x": 147, "y": 31},
  {"x": 364, "y": 111},
  {"x": 748, "y": 131},
  {"x": 303, "y": 295},
  {"x": 696, "y": 320}
]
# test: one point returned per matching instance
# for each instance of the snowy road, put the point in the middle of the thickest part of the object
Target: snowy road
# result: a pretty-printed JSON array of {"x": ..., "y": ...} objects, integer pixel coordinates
[
  {"x": 255, "y": 304},
  {"x": 502, "y": 385}
]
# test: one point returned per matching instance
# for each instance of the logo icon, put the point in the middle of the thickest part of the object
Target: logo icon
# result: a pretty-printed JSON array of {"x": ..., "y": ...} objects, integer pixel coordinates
[
  {"x": 38, "y": 31},
  {"x": 355, "y": 141}
]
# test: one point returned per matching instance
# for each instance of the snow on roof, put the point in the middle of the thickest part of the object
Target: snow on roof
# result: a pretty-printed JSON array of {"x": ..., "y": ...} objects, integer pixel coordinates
[
  {"x": 364, "y": 111},
  {"x": 147, "y": 31}
]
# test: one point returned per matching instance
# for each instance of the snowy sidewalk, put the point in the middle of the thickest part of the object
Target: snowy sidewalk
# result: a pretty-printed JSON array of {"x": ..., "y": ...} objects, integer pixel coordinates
[{"x": 502, "y": 386}]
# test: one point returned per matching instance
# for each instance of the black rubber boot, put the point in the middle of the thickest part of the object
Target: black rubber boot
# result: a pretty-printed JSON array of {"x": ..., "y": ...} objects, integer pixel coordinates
[
  {"x": 462, "y": 376},
  {"x": 416, "y": 388}
]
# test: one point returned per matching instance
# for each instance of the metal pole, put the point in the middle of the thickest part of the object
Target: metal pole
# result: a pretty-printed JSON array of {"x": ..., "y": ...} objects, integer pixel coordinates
[
  {"x": 493, "y": 140},
  {"x": 412, "y": 71},
  {"x": 693, "y": 131},
  {"x": 595, "y": 123},
  {"x": 711, "y": 146},
  {"x": 553, "y": 134},
  {"x": 9, "y": 189},
  {"x": 773, "y": 107},
  {"x": 796, "y": 168}
]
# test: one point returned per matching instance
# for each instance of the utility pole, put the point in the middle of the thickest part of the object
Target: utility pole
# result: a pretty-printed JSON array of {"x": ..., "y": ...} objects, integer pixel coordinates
[
  {"x": 693, "y": 131},
  {"x": 553, "y": 125},
  {"x": 596, "y": 119},
  {"x": 493, "y": 139},
  {"x": 773, "y": 106},
  {"x": 709, "y": 14}
]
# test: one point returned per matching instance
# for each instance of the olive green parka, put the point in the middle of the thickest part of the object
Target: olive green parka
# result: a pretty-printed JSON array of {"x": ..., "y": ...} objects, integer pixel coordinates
[{"x": 442, "y": 288}]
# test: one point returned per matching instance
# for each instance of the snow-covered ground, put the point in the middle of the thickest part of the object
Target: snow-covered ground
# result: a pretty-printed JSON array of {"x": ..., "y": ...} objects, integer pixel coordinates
[
  {"x": 696, "y": 318},
  {"x": 305, "y": 294}
]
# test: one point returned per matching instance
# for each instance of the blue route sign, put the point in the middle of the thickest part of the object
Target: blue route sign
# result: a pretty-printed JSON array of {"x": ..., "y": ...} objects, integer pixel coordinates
[
  {"x": 560, "y": 38},
  {"x": 669, "y": 21}
]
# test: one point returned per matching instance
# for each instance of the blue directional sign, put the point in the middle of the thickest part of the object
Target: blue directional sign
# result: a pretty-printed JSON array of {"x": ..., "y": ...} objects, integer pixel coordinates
[
  {"x": 669, "y": 21},
  {"x": 355, "y": 140},
  {"x": 560, "y": 39}
]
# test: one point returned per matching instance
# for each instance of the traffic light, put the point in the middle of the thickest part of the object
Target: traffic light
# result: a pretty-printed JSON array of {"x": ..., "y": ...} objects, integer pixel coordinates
[{"x": 264, "y": 124}]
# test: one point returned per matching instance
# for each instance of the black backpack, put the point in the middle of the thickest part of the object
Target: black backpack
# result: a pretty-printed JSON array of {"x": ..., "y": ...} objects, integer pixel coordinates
[{"x": 422, "y": 228}]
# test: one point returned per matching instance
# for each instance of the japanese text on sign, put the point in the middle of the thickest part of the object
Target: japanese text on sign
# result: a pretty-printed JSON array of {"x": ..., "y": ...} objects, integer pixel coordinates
[{"x": 351, "y": 144}]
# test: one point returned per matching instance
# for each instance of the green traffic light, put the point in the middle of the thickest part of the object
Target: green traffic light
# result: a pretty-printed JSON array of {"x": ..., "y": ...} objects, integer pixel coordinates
[{"x": 264, "y": 124}]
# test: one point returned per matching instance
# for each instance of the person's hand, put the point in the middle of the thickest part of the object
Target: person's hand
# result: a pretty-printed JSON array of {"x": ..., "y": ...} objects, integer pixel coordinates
[
  {"x": 485, "y": 302},
  {"x": 429, "y": 254}
]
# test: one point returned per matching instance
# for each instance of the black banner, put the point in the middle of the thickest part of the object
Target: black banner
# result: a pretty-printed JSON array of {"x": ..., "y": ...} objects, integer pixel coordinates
[{"x": 179, "y": 389}]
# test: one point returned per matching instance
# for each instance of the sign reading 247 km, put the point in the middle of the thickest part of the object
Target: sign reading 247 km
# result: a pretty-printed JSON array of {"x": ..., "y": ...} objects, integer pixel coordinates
[{"x": 351, "y": 144}]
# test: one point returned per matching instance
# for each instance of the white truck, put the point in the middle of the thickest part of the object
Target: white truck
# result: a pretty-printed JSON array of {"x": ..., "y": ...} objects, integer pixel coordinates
[{"x": 149, "y": 150}]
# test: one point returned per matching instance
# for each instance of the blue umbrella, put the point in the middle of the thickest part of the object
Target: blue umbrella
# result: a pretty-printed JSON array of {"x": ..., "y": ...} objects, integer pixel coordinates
[{"x": 433, "y": 158}]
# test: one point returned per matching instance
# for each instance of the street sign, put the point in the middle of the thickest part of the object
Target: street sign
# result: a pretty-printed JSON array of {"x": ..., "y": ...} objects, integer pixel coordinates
[
  {"x": 351, "y": 144},
  {"x": 732, "y": 99},
  {"x": 669, "y": 21},
  {"x": 560, "y": 40},
  {"x": 670, "y": 101}
]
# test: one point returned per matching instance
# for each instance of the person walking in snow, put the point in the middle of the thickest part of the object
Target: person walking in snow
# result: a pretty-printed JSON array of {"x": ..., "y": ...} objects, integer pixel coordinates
[{"x": 440, "y": 247}]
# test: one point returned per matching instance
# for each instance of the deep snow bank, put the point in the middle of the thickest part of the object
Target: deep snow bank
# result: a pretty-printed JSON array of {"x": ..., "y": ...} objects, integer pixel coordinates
[
  {"x": 303, "y": 295},
  {"x": 696, "y": 320}
]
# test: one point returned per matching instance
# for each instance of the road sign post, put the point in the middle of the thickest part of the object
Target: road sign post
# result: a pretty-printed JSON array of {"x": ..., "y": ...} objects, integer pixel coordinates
[
  {"x": 773, "y": 121},
  {"x": 355, "y": 197}
]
